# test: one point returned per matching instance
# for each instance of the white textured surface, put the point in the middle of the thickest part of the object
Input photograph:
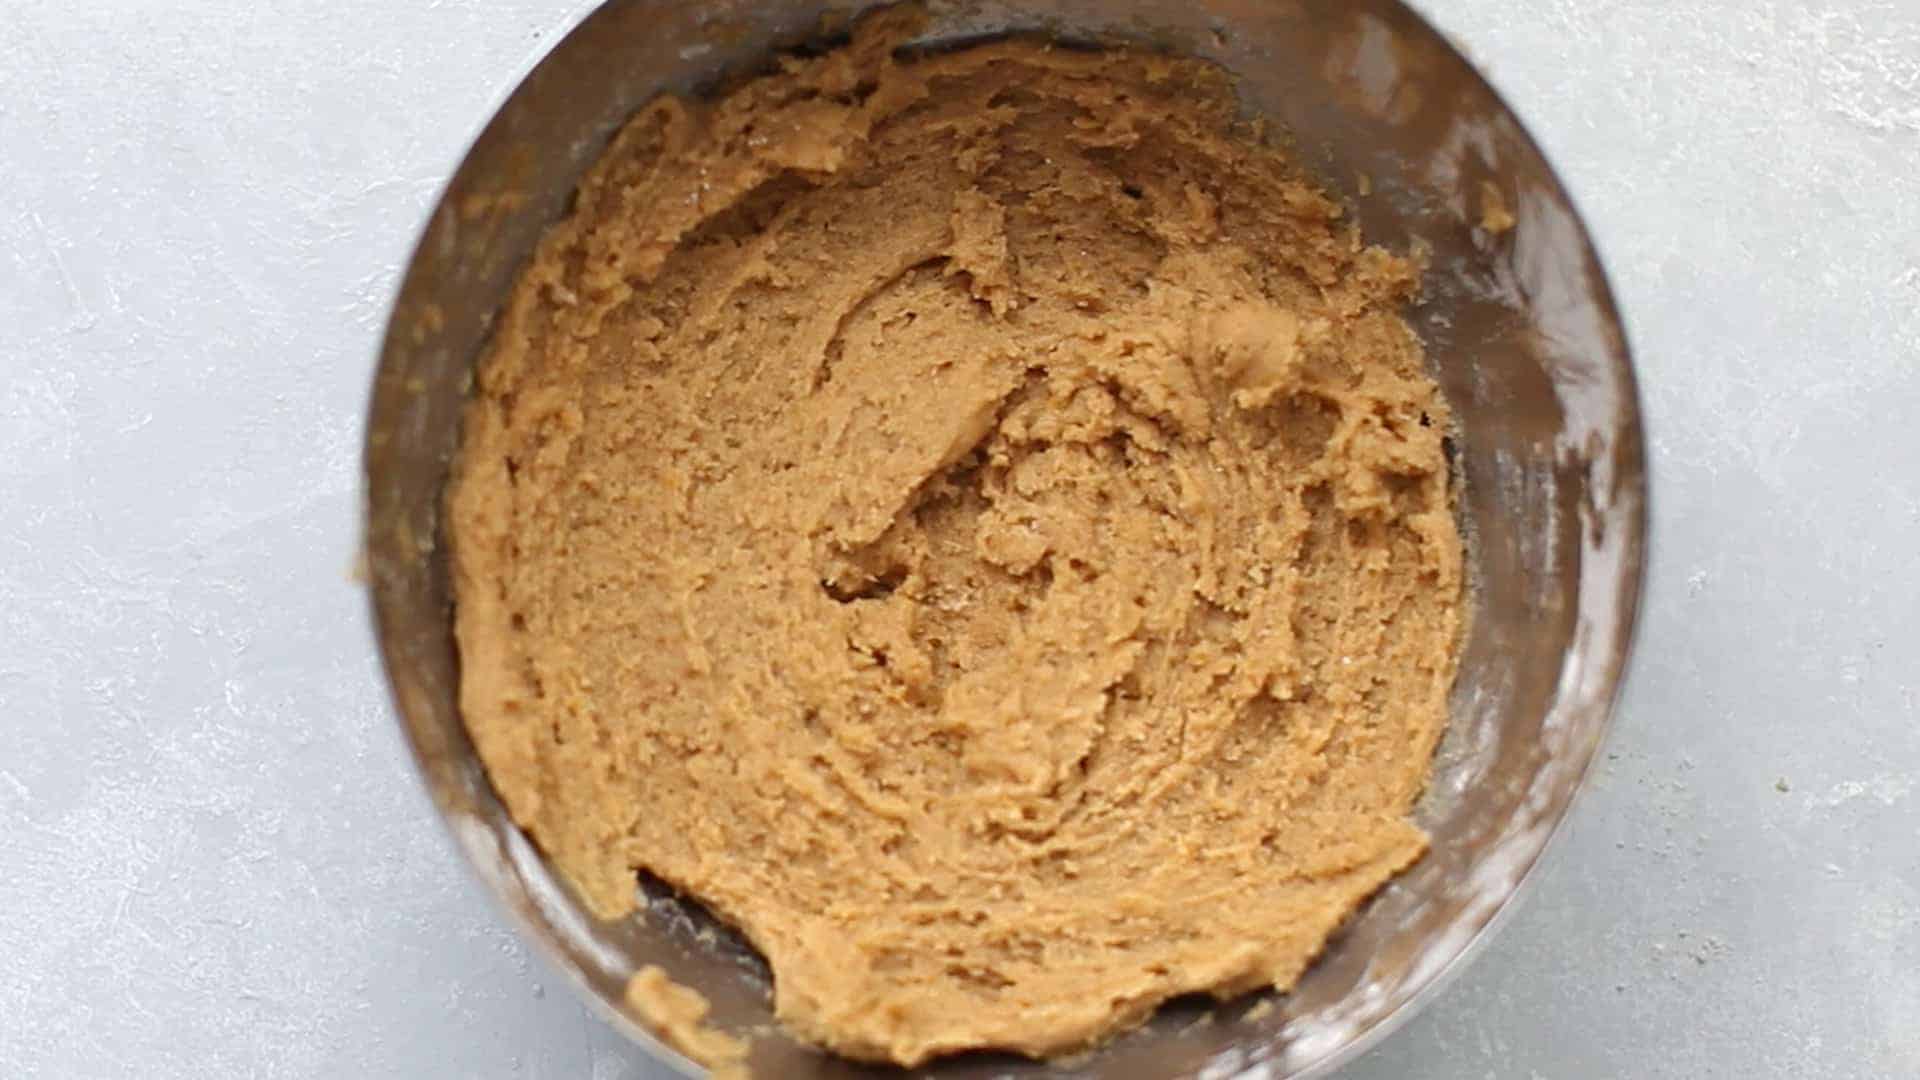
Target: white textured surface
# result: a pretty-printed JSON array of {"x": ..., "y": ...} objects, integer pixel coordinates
[{"x": 215, "y": 862}]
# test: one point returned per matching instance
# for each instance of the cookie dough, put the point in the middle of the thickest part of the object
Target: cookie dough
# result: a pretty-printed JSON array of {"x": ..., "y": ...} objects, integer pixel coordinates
[
  {"x": 679, "y": 1014},
  {"x": 976, "y": 521}
]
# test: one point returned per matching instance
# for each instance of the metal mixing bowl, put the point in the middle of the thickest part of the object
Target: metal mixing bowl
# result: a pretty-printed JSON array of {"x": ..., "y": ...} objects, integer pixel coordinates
[{"x": 1522, "y": 334}]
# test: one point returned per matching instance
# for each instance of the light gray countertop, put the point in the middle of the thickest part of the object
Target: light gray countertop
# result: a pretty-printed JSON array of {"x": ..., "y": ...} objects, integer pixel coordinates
[{"x": 215, "y": 860}]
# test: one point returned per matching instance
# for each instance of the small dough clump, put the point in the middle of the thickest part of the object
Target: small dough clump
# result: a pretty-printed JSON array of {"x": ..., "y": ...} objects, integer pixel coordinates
[
  {"x": 979, "y": 523},
  {"x": 679, "y": 1014}
]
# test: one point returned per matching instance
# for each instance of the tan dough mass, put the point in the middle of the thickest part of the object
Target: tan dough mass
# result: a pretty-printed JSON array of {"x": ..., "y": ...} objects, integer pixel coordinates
[{"x": 980, "y": 524}]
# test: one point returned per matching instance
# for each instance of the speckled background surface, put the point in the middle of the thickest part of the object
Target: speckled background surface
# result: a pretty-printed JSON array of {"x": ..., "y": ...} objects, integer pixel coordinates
[{"x": 215, "y": 862}]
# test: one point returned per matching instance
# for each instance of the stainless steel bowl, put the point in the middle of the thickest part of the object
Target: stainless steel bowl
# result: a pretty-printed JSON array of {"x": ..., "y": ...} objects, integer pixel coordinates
[{"x": 1524, "y": 338}]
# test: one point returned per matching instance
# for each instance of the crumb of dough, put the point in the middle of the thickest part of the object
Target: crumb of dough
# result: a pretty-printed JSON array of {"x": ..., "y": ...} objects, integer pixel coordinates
[
  {"x": 679, "y": 1015},
  {"x": 1494, "y": 215},
  {"x": 976, "y": 521}
]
